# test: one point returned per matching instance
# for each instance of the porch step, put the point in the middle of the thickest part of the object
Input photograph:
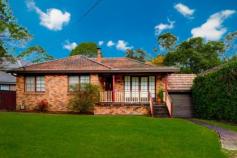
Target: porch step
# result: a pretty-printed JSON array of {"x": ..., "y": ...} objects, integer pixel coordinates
[{"x": 160, "y": 111}]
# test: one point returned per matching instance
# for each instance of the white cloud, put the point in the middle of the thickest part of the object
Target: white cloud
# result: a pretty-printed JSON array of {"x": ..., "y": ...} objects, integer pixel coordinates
[
  {"x": 110, "y": 43},
  {"x": 213, "y": 29},
  {"x": 101, "y": 43},
  {"x": 184, "y": 10},
  {"x": 161, "y": 27},
  {"x": 123, "y": 45},
  {"x": 69, "y": 45},
  {"x": 54, "y": 19}
]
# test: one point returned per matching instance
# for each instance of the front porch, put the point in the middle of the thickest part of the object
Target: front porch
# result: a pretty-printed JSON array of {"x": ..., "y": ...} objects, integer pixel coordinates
[
  {"x": 130, "y": 88},
  {"x": 132, "y": 94}
]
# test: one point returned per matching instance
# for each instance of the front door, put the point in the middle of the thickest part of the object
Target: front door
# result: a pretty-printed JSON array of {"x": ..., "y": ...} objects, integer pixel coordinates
[{"x": 108, "y": 83}]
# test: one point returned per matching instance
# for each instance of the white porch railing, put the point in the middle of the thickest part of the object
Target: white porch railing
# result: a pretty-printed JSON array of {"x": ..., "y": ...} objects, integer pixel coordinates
[{"x": 126, "y": 97}]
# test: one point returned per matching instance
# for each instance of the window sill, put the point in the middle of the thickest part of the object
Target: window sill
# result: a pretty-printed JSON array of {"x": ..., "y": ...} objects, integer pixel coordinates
[{"x": 34, "y": 93}]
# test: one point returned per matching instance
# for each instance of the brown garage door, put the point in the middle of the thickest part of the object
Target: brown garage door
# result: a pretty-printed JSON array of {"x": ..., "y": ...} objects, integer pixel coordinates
[
  {"x": 7, "y": 100},
  {"x": 182, "y": 104}
]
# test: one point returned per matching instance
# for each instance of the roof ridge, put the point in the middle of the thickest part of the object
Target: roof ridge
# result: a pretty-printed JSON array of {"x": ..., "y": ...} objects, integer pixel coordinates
[
  {"x": 49, "y": 61},
  {"x": 96, "y": 62}
]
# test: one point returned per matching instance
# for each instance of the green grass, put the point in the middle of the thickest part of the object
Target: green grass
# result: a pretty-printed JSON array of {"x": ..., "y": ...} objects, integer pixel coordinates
[{"x": 45, "y": 135}]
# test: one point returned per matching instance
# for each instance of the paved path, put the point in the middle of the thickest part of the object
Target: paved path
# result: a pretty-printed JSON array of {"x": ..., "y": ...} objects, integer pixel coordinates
[{"x": 228, "y": 138}]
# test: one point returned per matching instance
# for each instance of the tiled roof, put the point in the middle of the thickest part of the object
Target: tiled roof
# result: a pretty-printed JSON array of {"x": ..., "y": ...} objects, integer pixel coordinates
[
  {"x": 180, "y": 82},
  {"x": 79, "y": 63}
]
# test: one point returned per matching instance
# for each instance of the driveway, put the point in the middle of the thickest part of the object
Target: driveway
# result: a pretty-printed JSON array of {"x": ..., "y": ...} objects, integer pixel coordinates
[{"x": 228, "y": 138}]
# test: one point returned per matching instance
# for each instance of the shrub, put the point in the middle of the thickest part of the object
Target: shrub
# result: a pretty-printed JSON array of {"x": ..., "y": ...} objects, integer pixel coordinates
[
  {"x": 42, "y": 106},
  {"x": 215, "y": 94},
  {"x": 84, "y": 98},
  {"x": 160, "y": 95}
]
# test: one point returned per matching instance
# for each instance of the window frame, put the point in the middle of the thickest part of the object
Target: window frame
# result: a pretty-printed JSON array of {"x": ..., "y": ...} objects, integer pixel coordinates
[
  {"x": 139, "y": 83},
  {"x": 79, "y": 81},
  {"x": 35, "y": 84}
]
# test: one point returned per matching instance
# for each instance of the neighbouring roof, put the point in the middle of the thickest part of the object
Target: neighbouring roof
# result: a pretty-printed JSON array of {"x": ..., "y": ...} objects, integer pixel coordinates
[
  {"x": 6, "y": 78},
  {"x": 5, "y": 65},
  {"x": 180, "y": 82},
  {"x": 82, "y": 64}
]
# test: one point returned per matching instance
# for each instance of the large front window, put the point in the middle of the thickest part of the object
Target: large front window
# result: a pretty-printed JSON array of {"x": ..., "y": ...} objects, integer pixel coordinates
[
  {"x": 137, "y": 88},
  {"x": 34, "y": 84},
  {"x": 75, "y": 80}
]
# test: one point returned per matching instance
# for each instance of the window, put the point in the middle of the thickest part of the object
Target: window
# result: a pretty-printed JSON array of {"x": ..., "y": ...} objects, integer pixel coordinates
[
  {"x": 152, "y": 88},
  {"x": 74, "y": 80},
  {"x": 40, "y": 84},
  {"x": 35, "y": 84},
  {"x": 4, "y": 87},
  {"x": 30, "y": 84},
  {"x": 7, "y": 87}
]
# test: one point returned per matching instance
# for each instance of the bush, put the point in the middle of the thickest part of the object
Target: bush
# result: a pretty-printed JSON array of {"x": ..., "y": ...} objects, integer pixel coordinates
[
  {"x": 84, "y": 98},
  {"x": 215, "y": 94},
  {"x": 42, "y": 106}
]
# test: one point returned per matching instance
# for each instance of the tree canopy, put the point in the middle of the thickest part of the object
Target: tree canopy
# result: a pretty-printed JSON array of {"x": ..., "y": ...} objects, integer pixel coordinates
[
  {"x": 86, "y": 48},
  {"x": 195, "y": 55},
  {"x": 137, "y": 54},
  {"x": 12, "y": 32},
  {"x": 167, "y": 40}
]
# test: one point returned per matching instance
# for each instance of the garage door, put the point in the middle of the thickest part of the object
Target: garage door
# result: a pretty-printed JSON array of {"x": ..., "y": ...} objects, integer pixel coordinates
[{"x": 182, "y": 104}]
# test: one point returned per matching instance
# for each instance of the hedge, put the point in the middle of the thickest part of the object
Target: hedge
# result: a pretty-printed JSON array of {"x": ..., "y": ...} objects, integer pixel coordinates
[{"x": 215, "y": 94}]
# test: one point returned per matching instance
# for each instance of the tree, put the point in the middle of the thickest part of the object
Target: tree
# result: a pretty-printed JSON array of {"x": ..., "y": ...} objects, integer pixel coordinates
[
  {"x": 35, "y": 54},
  {"x": 230, "y": 43},
  {"x": 137, "y": 54},
  {"x": 11, "y": 32},
  {"x": 88, "y": 49},
  {"x": 159, "y": 60},
  {"x": 167, "y": 40},
  {"x": 195, "y": 55}
]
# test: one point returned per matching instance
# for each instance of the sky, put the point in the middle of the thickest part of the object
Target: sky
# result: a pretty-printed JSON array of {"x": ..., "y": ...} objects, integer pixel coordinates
[{"x": 116, "y": 25}]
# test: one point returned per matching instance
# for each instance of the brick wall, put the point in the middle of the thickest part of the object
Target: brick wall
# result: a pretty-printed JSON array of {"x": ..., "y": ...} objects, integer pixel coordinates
[{"x": 56, "y": 93}]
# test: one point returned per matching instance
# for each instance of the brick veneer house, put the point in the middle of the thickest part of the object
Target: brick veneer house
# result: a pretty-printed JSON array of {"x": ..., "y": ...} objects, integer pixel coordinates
[{"x": 126, "y": 85}]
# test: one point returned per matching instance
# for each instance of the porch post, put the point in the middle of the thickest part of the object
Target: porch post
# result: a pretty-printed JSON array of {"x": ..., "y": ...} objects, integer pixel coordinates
[{"x": 113, "y": 92}]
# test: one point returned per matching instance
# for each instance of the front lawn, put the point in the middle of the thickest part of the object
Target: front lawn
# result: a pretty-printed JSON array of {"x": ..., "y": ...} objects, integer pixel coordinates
[{"x": 45, "y": 135}]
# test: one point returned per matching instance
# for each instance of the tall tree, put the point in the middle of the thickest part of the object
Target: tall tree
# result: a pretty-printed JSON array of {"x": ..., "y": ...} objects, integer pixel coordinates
[
  {"x": 35, "y": 54},
  {"x": 195, "y": 55},
  {"x": 137, "y": 54},
  {"x": 11, "y": 32},
  {"x": 87, "y": 48},
  {"x": 167, "y": 40}
]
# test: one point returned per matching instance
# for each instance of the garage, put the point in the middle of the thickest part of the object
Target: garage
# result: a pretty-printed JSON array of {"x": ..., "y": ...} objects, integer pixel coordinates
[
  {"x": 179, "y": 89},
  {"x": 182, "y": 104}
]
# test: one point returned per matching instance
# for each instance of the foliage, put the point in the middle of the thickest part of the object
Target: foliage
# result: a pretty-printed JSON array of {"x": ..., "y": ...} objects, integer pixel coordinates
[
  {"x": 88, "y": 49},
  {"x": 40, "y": 54},
  {"x": 167, "y": 40},
  {"x": 215, "y": 94},
  {"x": 11, "y": 32},
  {"x": 85, "y": 98},
  {"x": 159, "y": 60},
  {"x": 195, "y": 55},
  {"x": 42, "y": 106},
  {"x": 137, "y": 54},
  {"x": 160, "y": 94}
]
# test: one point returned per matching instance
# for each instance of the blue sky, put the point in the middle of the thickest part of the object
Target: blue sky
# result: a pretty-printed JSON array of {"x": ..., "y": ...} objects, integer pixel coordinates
[{"x": 58, "y": 25}]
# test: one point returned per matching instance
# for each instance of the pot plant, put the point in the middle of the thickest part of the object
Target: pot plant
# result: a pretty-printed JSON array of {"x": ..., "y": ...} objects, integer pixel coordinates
[{"x": 160, "y": 96}]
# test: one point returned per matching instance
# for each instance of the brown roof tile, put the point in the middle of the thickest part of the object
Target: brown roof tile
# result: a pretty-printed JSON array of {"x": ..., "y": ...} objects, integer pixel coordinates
[
  {"x": 180, "y": 82},
  {"x": 80, "y": 63}
]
